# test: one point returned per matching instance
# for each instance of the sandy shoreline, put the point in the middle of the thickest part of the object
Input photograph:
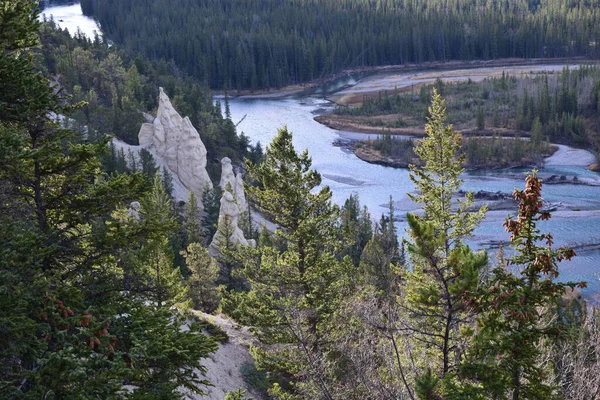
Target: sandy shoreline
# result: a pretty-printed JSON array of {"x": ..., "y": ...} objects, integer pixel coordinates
[
  {"x": 570, "y": 156},
  {"x": 444, "y": 67}
]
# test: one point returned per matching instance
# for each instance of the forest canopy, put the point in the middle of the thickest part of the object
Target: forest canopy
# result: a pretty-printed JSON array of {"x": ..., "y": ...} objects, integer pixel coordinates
[{"x": 256, "y": 44}]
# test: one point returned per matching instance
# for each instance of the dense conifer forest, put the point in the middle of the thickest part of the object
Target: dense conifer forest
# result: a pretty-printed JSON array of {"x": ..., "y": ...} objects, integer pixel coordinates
[
  {"x": 255, "y": 44},
  {"x": 91, "y": 300},
  {"x": 101, "y": 300}
]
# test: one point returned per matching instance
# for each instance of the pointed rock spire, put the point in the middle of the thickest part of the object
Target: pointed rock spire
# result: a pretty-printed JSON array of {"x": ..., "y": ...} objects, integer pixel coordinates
[
  {"x": 176, "y": 142},
  {"x": 228, "y": 232},
  {"x": 240, "y": 194},
  {"x": 235, "y": 182}
]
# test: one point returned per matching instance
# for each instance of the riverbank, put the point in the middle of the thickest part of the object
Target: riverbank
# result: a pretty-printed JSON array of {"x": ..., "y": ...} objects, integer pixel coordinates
[
  {"x": 559, "y": 155},
  {"x": 310, "y": 87},
  {"x": 371, "y": 86},
  {"x": 366, "y": 151},
  {"x": 360, "y": 125},
  {"x": 566, "y": 155}
]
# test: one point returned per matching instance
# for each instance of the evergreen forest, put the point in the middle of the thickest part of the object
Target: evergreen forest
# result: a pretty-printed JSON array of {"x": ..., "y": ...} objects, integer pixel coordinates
[
  {"x": 110, "y": 286},
  {"x": 241, "y": 44},
  {"x": 544, "y": 108}
]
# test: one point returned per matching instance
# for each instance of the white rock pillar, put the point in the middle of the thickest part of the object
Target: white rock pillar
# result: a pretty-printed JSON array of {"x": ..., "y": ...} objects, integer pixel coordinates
[
  {"x": 174, "y": 142},
  {"x": 235, "y": 182},
  {"x": 228, "y": 230}
]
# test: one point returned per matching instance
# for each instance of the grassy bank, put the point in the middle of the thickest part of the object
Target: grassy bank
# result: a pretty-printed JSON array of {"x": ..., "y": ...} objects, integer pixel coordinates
[
  {"x": 561, "y": 107},
  {"x": 480, "y": 152}
]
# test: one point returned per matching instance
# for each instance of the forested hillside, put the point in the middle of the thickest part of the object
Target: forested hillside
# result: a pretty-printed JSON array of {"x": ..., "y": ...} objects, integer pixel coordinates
[
  {"x": 254, "y": 44},
  {"x": 100, "y": 272},
  {"x": 118, "y": 87},
  {"x": 90, "y": 300}
]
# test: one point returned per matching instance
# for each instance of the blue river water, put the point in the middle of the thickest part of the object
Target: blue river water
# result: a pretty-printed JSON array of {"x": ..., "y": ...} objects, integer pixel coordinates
[
  {"x": 70, "y": 16},
  {"x": 345, "y": 174}
]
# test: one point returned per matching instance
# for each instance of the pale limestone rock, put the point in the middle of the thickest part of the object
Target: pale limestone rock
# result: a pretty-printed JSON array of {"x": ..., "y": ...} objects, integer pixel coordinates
[
  {"x": 227, "y": 174},
  {"x": 236, "y": 183},
  {"x": 174, "y": 141},
  {"x": 228, "y": 226},
  {"x": 134, "y": 210},
  {"x": 240, "y": 195}
]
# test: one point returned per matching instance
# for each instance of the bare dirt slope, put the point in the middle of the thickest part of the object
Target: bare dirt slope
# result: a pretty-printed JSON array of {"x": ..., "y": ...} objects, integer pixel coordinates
[{"x": 224, "y": 365}]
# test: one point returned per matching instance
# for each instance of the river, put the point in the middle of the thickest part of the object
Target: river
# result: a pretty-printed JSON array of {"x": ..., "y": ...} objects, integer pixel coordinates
[
  {"x": 70, "y": 16},
  {"x": 577, "y": 221}
]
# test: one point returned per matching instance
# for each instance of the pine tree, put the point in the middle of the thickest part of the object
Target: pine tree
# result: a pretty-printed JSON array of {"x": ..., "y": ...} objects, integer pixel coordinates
[
  {"x": 211, "y": 202},
  {"x": 443, "y": 267},
  {"x": 167, "y": 178},
  {"x": 225, "y": 249},
  {"x": 294, "y": 291},
  {"x": 536, "y": 133},
  {"x": 518, "y": 309},
  {"x": 70, "y": 328},
  {"x": 381, "y": 260},
  {"x": 191, "y": 221},
  {"x": 155, "y": 258},
  {"x": 203, "y": 276},
  {"x": 480, "y": 118},
  {"x": 355, "y": 227},
  {"x": 147, "y": 163}
]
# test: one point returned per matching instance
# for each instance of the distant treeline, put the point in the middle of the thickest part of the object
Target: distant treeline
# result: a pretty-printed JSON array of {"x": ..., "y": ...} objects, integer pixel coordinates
[{"x": 251, "y": 44}]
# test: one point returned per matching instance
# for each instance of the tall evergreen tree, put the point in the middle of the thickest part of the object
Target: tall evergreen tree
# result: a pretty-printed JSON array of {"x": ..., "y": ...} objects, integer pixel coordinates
[
  {"x": 294, "y": 291},
  {"x": 70, "y": 328},
  {"x": 211, "y": 202},
  {"x": 518, "y": 309},
  {"x": 203, "y": 276},
  {"x": 443, "y": 267},
  {"x": 191, "y": 221},
  {"x": 355, "y": 227}
]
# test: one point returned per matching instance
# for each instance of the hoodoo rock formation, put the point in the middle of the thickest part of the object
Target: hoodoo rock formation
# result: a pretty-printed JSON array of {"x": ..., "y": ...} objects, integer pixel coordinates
[
  {"x": 174, "y": 141},
  {"x": 228, "y": 232},
  {"x": 235, "y": 182}
]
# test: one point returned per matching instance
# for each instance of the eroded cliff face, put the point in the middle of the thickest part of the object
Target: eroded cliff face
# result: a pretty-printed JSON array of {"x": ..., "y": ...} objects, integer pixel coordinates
[
  {"x": 236, "y": 184},
  {"x": 228, "y": 232},
  {"x": 174, "y": 142}
]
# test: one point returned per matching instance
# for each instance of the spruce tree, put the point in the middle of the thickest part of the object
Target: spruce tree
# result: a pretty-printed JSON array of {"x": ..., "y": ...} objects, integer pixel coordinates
[
  {"x": 211, "y": 202},
  {"x": 442, "y": 266},
  {"x": 167, "y": 178},
  {"x": 356, "y": 229},
  {"x": 191, "y": 221},
  {"x": 480, "y": 117},
  {"x": 70, "y": 326},
  {"x": 294, "y": 290},
  {"x": 518, "y": 309},
  {"x": 147, "y": 163},
  {"x": 203, "y": 276}
]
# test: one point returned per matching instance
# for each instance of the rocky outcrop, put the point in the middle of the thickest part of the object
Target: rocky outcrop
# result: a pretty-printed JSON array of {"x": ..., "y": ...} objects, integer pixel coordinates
[
  {"x": 235, "y": 182},
  {"x": 240, "y": 195},
  {"x": 227, "y": 174},
  {"x": 134, "y": 210},
  {"x": 174, "y": 142},
  {"x": 228, "y": 232}
]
